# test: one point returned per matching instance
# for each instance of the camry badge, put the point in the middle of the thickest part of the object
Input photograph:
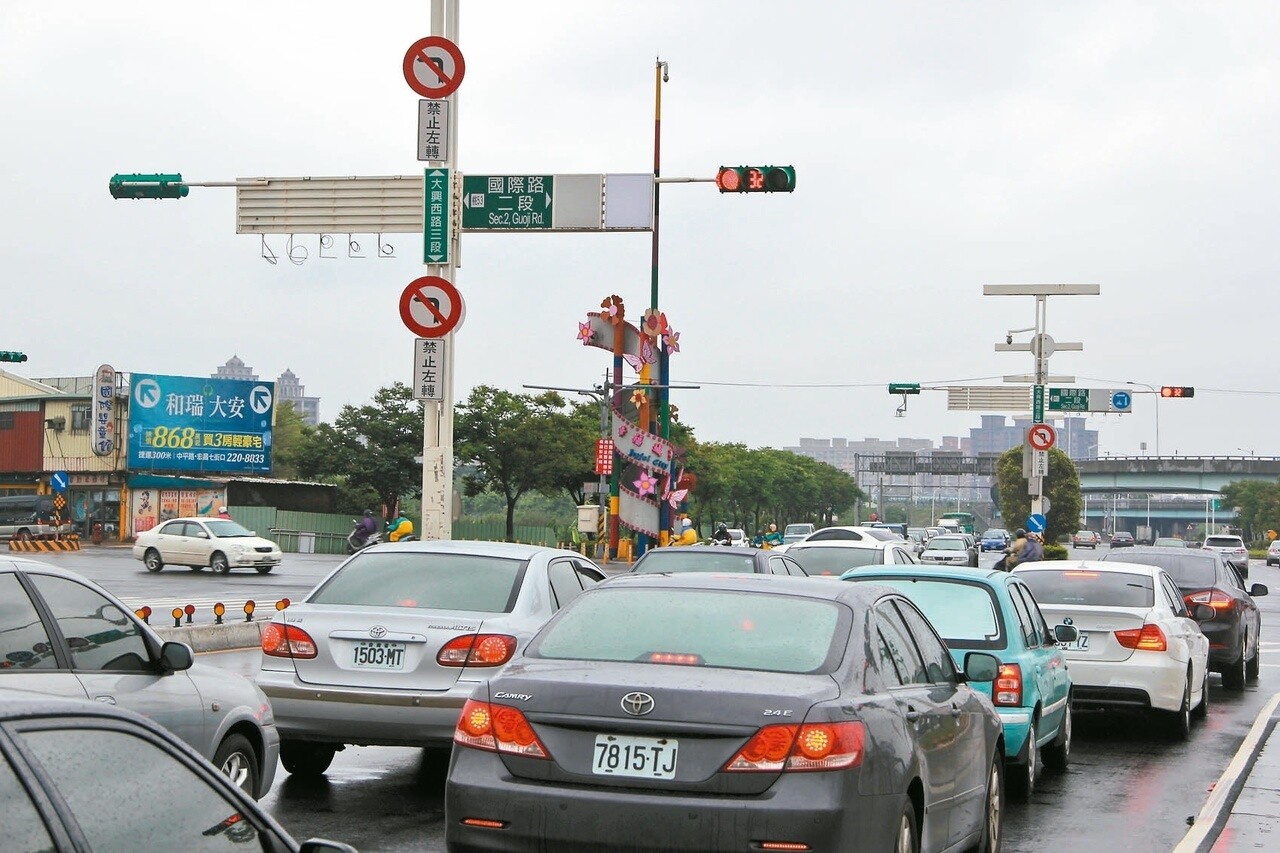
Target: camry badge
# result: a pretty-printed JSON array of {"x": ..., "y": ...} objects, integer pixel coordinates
[
  {"x": 377, "y": 632},
  {"x": 637, "y": 704}
]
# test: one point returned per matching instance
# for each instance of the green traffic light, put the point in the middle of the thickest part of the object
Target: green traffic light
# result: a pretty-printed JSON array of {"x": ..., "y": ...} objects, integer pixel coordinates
[
  {"x": 147, "y": 186},
  {"x": 12, "y": 356}
]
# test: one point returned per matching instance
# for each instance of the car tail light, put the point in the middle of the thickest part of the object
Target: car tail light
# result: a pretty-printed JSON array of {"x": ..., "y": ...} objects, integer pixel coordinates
[
  {"x": 1148, "y": 638},
  {"x": 1215, "y": 598},
  {"x": 497, "y": 728},
  {"x": 678, "y": 658},
  {"x": 1079, "y": 574},
  {"x": 812, "y": 746},
  {"x": 287, "y": 641},
  {"x": 1007, "y": 689},
  {"x": 477, "y": 650}
]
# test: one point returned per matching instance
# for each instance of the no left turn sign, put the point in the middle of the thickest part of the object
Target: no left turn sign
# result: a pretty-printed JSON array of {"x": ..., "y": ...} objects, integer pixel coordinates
[
  {"x": 431, "y": 307},
  {"x": 1041, "y": 437},
  {"x": 433, "y": 67}
]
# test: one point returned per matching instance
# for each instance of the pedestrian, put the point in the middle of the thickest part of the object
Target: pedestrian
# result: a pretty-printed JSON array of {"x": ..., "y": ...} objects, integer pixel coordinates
[{"x": 222, "y": 513}]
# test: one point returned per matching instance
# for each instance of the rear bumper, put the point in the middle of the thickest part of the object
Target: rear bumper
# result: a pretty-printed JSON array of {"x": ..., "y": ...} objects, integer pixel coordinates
[
  {"x": 1017, "y": 725},
  {"x": 344, "y": 715},
  {"x": 1145, "y": 680},
  {"x": 809, "y": 808},
  {"x": 1224, "y": 642}
]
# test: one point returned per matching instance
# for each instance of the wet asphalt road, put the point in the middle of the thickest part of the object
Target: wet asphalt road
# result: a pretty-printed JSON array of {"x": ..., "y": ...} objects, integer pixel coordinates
[{"x": 1128, "y": 789}]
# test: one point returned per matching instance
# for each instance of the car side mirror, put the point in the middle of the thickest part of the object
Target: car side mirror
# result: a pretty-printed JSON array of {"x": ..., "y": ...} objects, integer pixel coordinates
[
  {"x": 980, "y": 666},
  {"x": 1066, "y": 633},
  {"x": 1258, "y": 589},
  {"x": 176, "y": 657},
  {"x": 1203, "y": 613}
]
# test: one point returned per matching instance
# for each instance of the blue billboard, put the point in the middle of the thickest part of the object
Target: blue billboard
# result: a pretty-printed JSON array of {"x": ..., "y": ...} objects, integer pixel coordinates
[{"x": 190, "y": 423}]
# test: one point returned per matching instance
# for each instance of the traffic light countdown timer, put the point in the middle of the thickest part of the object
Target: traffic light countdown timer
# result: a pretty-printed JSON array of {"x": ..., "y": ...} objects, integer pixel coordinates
[
  {"x": 6, "y": 355},
  {"x": 756, "y": 179},
  {"x": 1177, "y": 391}
]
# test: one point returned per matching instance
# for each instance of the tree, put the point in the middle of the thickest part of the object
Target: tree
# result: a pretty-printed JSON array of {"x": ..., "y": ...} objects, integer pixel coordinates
[
  {"x": 372, "y": 449},
  {"x": 287, "y": 438},
  {"x": 515, "y": 442},
  {"x": 1062, "y": 488},
  {"x": 1259, "y": 505}
]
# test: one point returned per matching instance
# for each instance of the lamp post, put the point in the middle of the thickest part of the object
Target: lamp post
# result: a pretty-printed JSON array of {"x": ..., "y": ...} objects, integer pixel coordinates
[{"x": 1157, "y": 395}]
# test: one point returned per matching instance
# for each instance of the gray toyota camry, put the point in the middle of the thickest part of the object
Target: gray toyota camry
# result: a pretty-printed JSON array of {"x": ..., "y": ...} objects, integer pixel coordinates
[{"x": 730, "y": 712}]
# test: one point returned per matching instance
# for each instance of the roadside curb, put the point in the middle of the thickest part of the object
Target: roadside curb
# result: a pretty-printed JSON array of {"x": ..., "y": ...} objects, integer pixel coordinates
[
  {"x": 215, "y": 638},
  {"x": 1213, "y": 817}
]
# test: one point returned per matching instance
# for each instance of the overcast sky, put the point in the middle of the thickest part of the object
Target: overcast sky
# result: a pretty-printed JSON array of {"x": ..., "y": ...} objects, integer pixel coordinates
[{"x": 938, "y": 146}]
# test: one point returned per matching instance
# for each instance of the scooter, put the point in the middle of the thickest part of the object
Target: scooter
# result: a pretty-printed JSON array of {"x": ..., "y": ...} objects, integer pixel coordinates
[{"x": 354, "y": 544}]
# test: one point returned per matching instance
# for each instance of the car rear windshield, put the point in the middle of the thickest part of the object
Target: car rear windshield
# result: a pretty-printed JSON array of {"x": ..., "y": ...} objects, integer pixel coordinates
[
  {"x": 835, "y": 561},
  {"x": 1186, "y": 569},
  {"x": 425, "y": 581},
  {"x": 1085, "y": 534},
  {"x": 965, "y": 614},
  {"x": 699, "y": 560},
  {"x": 732, "y": 630},
  {"x": 1224, "y": 542},
  {"x": 948, "y": 545},
  {"x": 1091, "y": 587}
]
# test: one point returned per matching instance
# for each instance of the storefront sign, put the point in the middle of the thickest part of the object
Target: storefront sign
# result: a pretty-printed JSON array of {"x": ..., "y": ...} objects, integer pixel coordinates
[{"x": 189, "y": 423}]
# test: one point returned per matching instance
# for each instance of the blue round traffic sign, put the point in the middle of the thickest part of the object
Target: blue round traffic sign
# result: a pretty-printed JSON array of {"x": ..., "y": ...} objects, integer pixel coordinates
[
  {"x": 1036, "y": 523},
  {"x": 1121, "y": 400}
]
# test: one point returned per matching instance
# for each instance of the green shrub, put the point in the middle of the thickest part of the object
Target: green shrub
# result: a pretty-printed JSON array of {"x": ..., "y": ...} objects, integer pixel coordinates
[{"x": 1054, "y": 551}]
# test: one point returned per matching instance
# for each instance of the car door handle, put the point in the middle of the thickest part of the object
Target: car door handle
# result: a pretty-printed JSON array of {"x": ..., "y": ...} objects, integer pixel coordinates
[
  {"x": 913, "y": 716},
  {"x": 109, "y": 700},
  {"x": 955, "y": 709}
]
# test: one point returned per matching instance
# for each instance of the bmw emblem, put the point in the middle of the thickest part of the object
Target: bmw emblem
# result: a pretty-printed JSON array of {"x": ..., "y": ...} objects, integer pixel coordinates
[
  {"x": 377, "y": 632},
  {"x": 637, "y": 704},
  {"x": 1068, "y": 621}
]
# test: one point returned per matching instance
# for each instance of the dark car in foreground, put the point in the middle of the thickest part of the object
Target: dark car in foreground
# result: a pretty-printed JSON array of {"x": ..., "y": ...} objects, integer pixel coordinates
[
  {"x": 714, "y": 712},
  {"x": 1205, "y": 577},
  {"x": 716, "y": 558},
  {"x": 81, "y": 775}
]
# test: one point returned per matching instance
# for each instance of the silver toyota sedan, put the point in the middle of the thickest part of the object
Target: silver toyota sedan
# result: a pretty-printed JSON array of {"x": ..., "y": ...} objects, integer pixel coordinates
[{"x": 387, "y": 649}]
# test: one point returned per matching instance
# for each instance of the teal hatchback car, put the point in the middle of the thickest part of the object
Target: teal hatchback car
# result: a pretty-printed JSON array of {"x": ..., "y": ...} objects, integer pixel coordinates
[{"x": 995, "y": 612}]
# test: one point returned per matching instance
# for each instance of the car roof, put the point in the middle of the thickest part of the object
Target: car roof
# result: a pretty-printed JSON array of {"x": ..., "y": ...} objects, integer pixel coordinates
[
  {"x": 1118, "y": 566},
  {"x": 988, "y": 576},
  {"x": 809, "y": 587},
  {"x": 472, "y": 547},
  {"x": 705, "y": 549},
  {"x": 27, "y": 564},
  {"x": 959, "y": 536},
  {"x": 864, "y": 544},
  {"x": 1181, "y": 553}
]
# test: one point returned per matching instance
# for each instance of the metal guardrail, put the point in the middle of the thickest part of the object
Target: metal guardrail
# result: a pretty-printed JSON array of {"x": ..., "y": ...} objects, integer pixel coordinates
[{"x": 293, "y": 541}]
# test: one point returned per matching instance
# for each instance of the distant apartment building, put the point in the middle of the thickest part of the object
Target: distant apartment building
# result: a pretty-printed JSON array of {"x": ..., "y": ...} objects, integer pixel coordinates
[
  {"x": 289, "y": 389},
  {"x": 996, "y": 435}
]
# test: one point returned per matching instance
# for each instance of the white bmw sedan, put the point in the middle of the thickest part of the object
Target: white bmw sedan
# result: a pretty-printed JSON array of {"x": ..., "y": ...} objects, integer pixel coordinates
[
  {"x": 1138, "y": 647},
  {"x": 218, "y": 543}
]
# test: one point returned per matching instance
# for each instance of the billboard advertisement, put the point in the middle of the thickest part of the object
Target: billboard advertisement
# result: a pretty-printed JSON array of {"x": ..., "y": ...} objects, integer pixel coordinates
[{"x": 192, "y": 423}]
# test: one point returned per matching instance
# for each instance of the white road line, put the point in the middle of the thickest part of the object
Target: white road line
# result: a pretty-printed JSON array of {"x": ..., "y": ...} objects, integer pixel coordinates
[{"x": 1221, "y": 790}]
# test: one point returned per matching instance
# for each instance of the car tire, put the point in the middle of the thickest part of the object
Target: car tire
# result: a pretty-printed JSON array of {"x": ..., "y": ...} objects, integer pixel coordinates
[
  {"x": 1252, "y": 668},
  {"x": 302, "y": 758},
  {"x": 1057, "y": 755},
  {"x": 993, "y": 811},
  {"x": 262, "y": 570},
  {"x": 1233, "y": 677},
  {"x": 218, "y": 562},
  {"x": 908, "y": 837},
  {"x": 1201, "y": 711},
  {"x": 236, "y": 760},
  {"x": 151, "y": 559},
  {"x": 1179, "y": 722},
  {"x": 1027, "y": 770}
]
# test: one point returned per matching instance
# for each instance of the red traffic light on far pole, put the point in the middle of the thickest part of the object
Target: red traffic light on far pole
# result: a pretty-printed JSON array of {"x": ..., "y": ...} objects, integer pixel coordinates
[
  {"x": 756, "y": 179},
  {"x": 1177, "y": 391}
]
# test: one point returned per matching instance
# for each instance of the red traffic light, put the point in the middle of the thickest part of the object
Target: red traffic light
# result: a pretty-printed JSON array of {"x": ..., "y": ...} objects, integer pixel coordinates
[
  {"x": 1177, "y": 391},
  {"x": 756, "y": 179},
  {"x": 729, "y": 180}
]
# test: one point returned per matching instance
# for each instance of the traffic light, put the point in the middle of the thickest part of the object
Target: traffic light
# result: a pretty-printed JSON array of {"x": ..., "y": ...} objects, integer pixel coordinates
[
  {"x": 756, "y": 179},
  {"x": 12, "y": 356},
  {"x": 147, "y": 186},
  {"x": 1177, "y": 391}
]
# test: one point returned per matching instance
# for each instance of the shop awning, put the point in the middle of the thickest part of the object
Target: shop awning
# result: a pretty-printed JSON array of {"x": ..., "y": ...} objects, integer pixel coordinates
[{"x": 159, "y": 481}]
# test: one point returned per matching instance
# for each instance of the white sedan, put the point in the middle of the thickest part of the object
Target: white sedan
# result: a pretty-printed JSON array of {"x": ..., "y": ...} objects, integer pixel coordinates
[
  {"x": 218, "y": 543},
  {"x": 834, "y": 557},
  {"x": 1138, "y": 647}
]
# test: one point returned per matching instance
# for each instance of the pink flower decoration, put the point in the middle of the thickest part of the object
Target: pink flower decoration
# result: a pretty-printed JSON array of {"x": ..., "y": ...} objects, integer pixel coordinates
[
  {"x": 655, "y": 323},
  {"x": 647, "y": 484},
  {"x": 638, "y": 439},
  {"x": 584, "y": 333},
  {"x": 672, "y": 340}
]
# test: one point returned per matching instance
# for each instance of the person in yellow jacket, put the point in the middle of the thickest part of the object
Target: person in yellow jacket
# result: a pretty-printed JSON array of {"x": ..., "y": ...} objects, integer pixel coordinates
[
  {"x": 688, "y": 536},
  {"x": 399, "y": 528}
]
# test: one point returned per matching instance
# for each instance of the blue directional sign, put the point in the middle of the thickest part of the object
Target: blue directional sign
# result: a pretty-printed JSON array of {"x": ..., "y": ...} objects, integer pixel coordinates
[
  {"x": 191, "y": 423},
  {"x": 59, "y": 481},
  {"x": 1036, "y": 523},
  {"x": 1121, "y": 401}
]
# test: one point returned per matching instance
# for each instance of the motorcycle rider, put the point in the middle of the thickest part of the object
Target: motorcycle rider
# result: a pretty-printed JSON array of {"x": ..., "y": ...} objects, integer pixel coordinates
[
  {"x": 365, "y": 528},
  {"x": 773, "y": 537},
  {"x": 722, "y": 535},
  {"x": 400, "y": 527}
]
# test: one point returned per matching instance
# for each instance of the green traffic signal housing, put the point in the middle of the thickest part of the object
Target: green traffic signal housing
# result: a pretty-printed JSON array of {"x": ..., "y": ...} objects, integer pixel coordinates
[
  {"x": 756, "y": 179},
  {"x": 6, "y": 355},
  {"x": 147, "y": 186}
]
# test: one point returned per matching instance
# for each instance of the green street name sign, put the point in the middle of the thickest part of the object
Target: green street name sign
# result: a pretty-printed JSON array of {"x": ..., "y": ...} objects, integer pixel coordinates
[
  {"x": 507, "y": 202},
  {"x": 435, "y": 217},
  {"x": 1037, "y": 403},
  {"x": 1068, "y": 399},
  {"x": 904, "y": 387}
]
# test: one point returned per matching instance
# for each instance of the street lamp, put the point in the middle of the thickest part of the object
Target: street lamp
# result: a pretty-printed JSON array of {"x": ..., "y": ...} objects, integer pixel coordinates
[{"x": 1157, "y": 394}]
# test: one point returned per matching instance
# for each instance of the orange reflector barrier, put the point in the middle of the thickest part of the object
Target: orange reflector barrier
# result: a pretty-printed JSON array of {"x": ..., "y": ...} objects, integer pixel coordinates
[
  {"x": 282, "y": 604},
  {"x": 248, "y": 610},
  {"x": 176, "y": 613}
]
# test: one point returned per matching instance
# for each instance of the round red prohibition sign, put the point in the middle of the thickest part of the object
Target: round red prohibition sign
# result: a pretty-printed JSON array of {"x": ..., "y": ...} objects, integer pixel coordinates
[
  {"x": 433, "y": 67},
  {"x": 1041, "y": 437},
  {"x": 431, "y": 307}
]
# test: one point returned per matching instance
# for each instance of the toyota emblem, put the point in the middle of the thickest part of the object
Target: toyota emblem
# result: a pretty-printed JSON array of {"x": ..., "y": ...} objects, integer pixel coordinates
[
  {"x": 637, "y": 704},
  {"x": 377, "y": 632}
]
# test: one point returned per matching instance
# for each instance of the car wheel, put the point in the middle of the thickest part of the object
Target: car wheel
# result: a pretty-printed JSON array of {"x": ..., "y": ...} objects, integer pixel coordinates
[
  {"x": 306, "y": 759},
  {"x": 908, "y": 831},
  {"x": 1233, "y": 677},
  {"x": 218, "y": 562},
  {"x": 151, "y": 559},
  {"x": 1253, "y": 666},
  {"x": 1179, "y": 721},
  {"x": 993, "y": 814},
  {"x": 22, "y": 535},
  {"x": 262, "y": 570},
  {"x": 1057, "y": 755},
  {"x": 1028, "y": 768},
  {"x": 236, "y": 760},
  {"x": 1202, "y": 710}
]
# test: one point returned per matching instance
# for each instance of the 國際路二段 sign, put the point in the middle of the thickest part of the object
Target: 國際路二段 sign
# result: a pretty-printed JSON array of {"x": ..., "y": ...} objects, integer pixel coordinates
[{"x": 192, "y": 423}]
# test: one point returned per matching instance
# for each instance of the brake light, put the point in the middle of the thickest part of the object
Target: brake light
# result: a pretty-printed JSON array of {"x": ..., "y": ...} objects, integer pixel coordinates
[
  {"x": 497, "y": 728},
  {"x": 477, "y": 650},
  {"x": 1216, "y": 599},
  {"x": 812, "y": 746},
  {"x": 676, "y": 658},
  {"x": 287, "y": 641},
  {"x": 1007, "y": 689},
  {"x": 1148, "y": 638},
  {"x": 1078, "y": 574}
]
